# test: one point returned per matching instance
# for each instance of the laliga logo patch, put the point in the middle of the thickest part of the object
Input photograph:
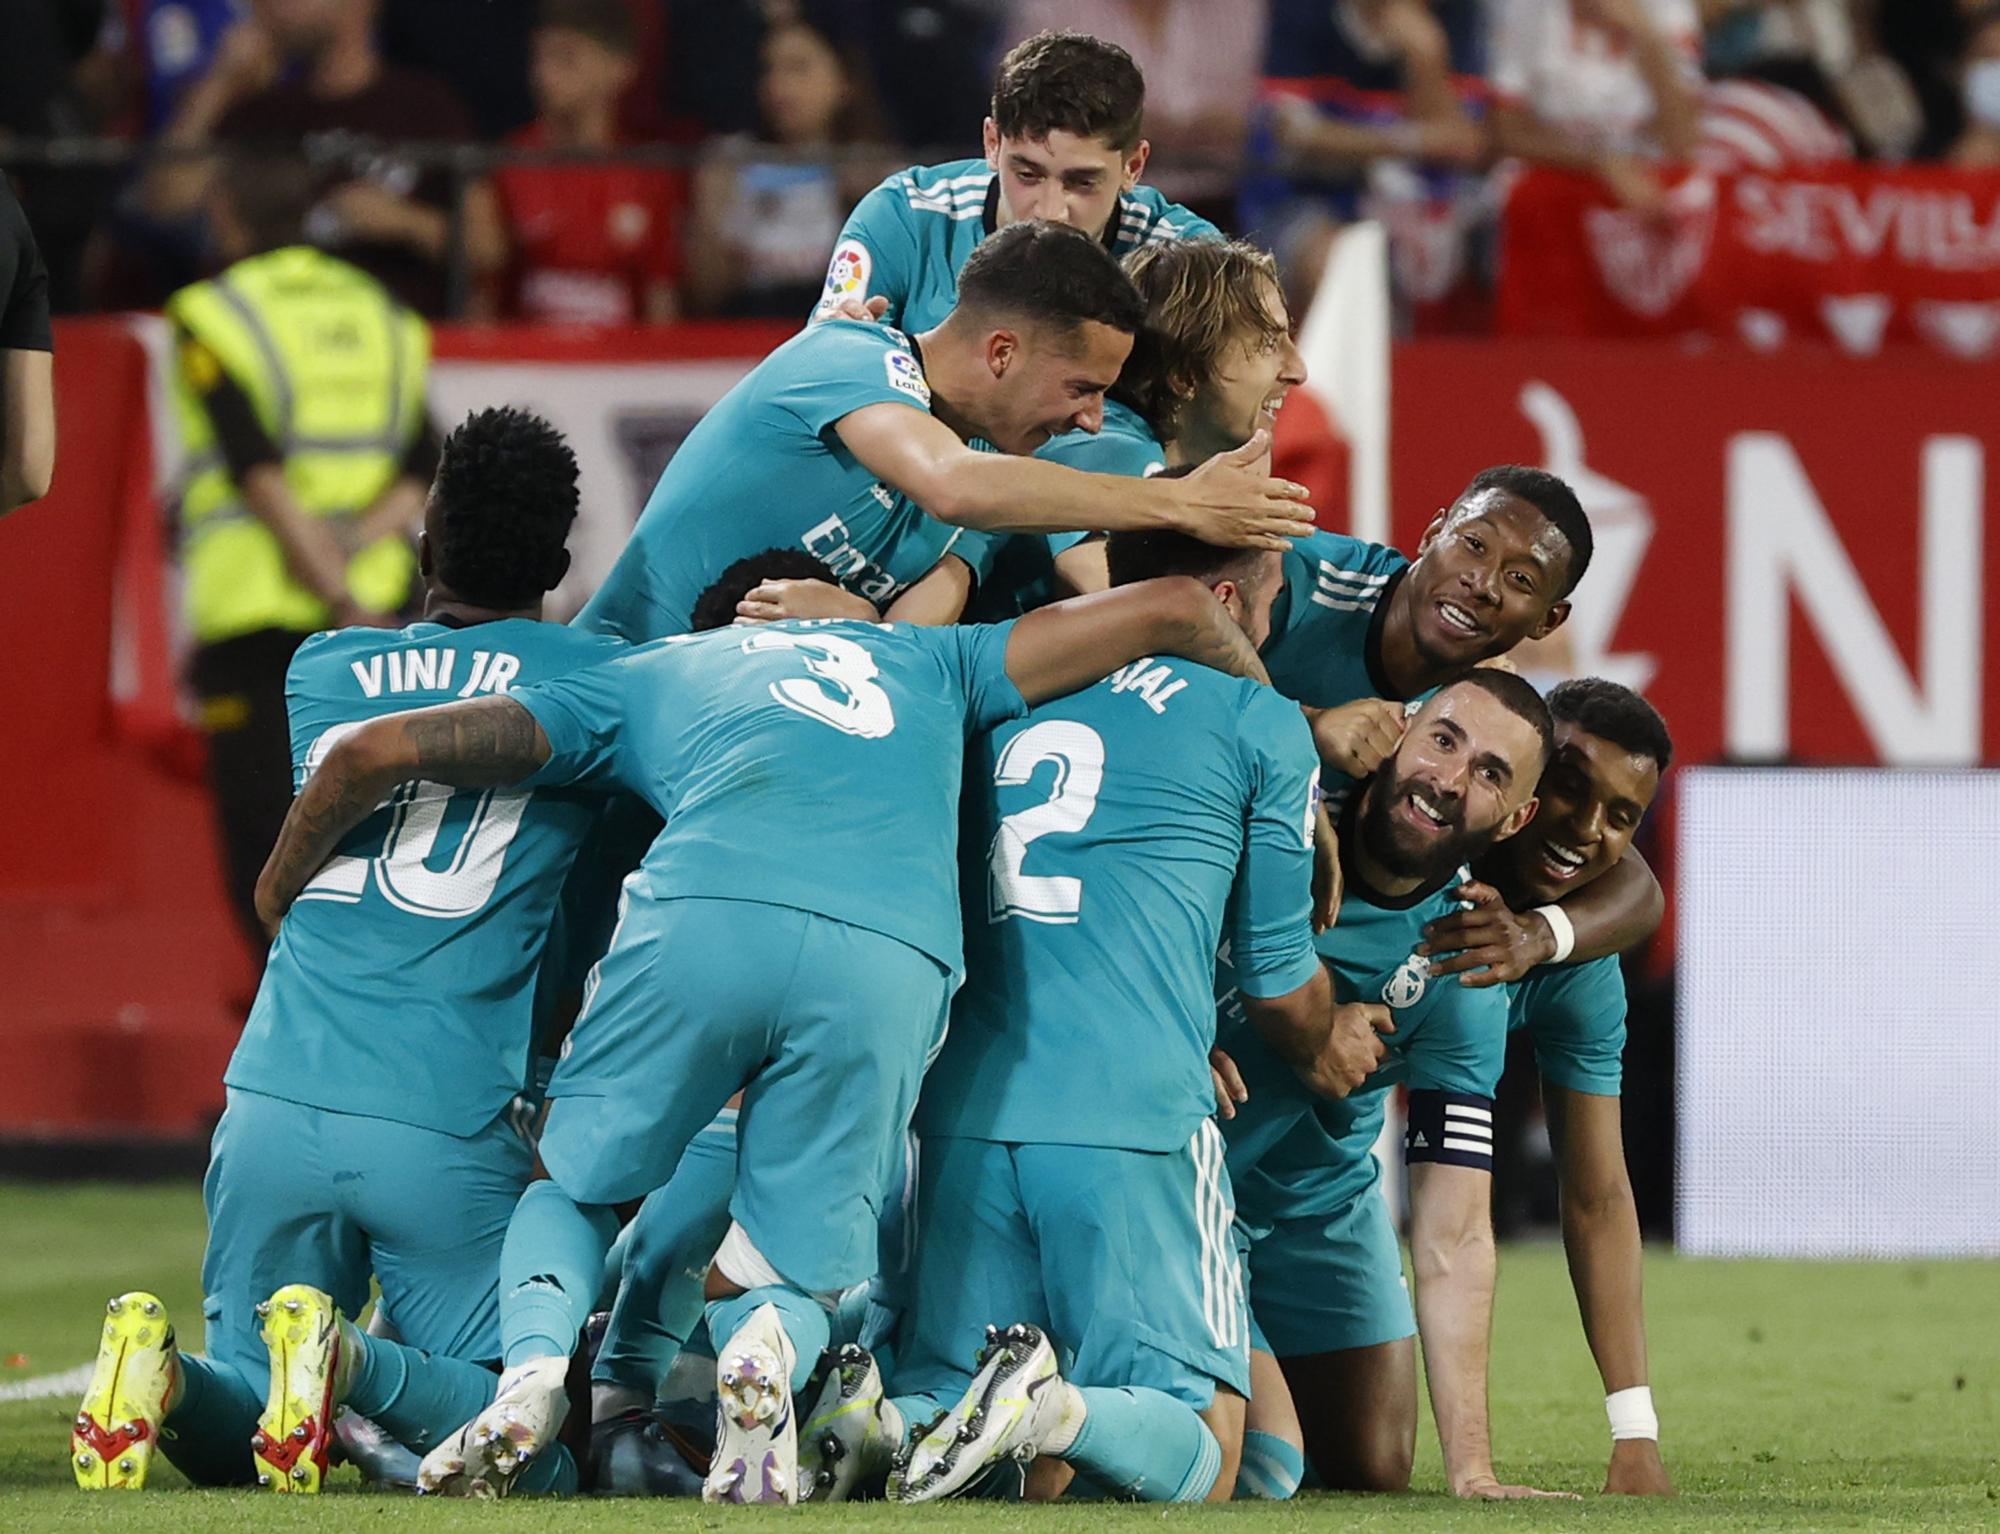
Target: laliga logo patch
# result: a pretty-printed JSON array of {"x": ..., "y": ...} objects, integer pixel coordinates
[
  {"x": 905, "y": 375},
  {"x": 847, "y": 272},
  {"x": 1406, "y": 987}
]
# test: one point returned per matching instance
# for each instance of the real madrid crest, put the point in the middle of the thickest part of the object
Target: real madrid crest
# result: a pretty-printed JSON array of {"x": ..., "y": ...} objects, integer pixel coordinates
[{"x": 1406, "y": 987}]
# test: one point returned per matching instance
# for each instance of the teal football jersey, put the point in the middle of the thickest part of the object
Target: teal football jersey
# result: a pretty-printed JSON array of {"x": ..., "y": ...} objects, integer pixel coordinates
[
  {"x": 1019, "y": 572},
  {"x": 812, "y": 765},
  {"x": 402, "y": 983},
  {"x": 1113, "y": 839},
  {"x": 765, "y": 469},
  {"x": 1575, "y": 1014},
  {"x": 1325, "y": 644},
  {"x": 1292, "y": 1152},
  {"x": 906, "y": 240}
]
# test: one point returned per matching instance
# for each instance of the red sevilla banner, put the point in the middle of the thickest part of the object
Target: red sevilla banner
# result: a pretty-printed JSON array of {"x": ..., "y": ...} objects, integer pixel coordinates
[{"x": 1860, "y": 256}]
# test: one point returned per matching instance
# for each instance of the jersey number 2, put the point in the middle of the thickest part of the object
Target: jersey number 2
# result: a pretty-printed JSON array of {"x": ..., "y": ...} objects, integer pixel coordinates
[
  {"x": 403, "y": 868},
  {"x": 1078, "y": 754}
]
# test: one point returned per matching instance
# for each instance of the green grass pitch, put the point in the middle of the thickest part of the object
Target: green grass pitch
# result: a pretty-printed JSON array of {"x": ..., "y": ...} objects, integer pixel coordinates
[{"x": 1793, "y": 1395}]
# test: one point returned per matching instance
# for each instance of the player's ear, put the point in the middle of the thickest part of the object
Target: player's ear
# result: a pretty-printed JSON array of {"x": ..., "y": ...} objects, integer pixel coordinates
[
  {"x": 558, "y": 568},
  {"x": 1431, "y": 533},
  {"x": 1135, "y": 165},
  {"x": 426, "y": 565},
  {"x": 1002, "y": 346},
  {"x": 1513, "y": 824},
  {"x": 1551, "y": 621},
  {"x": 989, "y": 138}
]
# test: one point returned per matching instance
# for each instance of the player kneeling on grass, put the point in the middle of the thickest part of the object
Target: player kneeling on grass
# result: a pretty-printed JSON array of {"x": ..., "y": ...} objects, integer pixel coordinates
[
  {"x": 368, "y": 1128},
  {"x": 814, "y": 981},
  {"x": 1115, "y": 839},
  {"x": 1611, "y": 750},
  {"x": 1328, "y": 1301}
]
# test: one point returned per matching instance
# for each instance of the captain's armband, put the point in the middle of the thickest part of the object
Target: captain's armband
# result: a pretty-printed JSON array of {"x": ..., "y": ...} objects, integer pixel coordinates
[{"x": 1451, "y": 1128}]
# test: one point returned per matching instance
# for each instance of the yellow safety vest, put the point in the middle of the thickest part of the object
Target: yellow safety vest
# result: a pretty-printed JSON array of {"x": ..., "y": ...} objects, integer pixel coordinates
[{"x": 335, "y": 369}]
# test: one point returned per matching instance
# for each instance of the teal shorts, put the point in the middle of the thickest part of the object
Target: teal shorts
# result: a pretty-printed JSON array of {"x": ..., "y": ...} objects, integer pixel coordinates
[
  {"x": 1124, "y": 1257},
  {"x": 825, "y": 1027},
  {"x": 1323, "y": 1284},
  {"x": 302, "y": 1195}
]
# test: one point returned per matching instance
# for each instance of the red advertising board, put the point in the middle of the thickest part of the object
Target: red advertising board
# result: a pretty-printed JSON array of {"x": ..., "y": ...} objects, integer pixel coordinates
[
  {"x": 1797, "y": 556},
  {"x": 1859, "y": 256}
]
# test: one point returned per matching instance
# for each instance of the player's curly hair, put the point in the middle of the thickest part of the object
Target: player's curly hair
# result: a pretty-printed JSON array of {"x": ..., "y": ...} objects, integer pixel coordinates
[
  {"x": 1202, "y": 296},
  {"x": 1517, "y": 697},
  {"x": 1552, "y": 497},
  {"x": 1073, "y": 82},
  {"x": 715, "y": 608},
  {"x": 506, "y": 495},
  {"x": 1040, "y": 270},
  {"x": 1614, "y": 713}
]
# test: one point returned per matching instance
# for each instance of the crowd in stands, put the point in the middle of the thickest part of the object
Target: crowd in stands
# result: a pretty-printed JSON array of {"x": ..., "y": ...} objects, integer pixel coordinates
[{"x": 631, "y": 161}]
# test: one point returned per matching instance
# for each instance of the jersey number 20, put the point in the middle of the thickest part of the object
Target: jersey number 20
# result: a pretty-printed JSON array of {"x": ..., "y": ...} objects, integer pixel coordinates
[{"x": 404, "y": 868}]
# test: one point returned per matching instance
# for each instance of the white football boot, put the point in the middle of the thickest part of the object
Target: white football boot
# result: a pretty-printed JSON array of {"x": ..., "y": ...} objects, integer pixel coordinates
[
  {"x": 756, "y": 1432},
  {"x": 1017, "y": 1406}
]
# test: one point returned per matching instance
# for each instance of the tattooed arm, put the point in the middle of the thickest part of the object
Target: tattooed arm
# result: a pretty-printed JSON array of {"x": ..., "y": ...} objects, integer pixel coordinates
[
  {"x": 488, "y": 743},
  {"x": 1067, "y": 645}
]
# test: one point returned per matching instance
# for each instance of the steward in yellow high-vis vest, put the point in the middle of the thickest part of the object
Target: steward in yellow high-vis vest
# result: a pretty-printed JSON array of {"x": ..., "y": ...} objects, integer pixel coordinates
[
  {"x": 299, "y": 394},
  {"x": 333, "y": 370}
]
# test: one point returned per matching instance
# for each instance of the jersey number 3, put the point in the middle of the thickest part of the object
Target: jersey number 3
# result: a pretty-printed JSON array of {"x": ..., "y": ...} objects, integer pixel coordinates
[
  {"x": 1078, "y": 754},
  {"x": 852, "y": 703}
]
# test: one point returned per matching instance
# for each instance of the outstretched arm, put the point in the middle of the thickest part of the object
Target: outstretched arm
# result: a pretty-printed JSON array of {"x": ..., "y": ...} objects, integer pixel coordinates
[
  {"x": 1451, "y": 1253},
  {"x": 1068, "y": 645},
  {"x": 1609, "y": 915},
  {"x": 1228, "y": 501},
  {"x": 487, "y": 743},
  {"x": 1600, "y": 1224}
]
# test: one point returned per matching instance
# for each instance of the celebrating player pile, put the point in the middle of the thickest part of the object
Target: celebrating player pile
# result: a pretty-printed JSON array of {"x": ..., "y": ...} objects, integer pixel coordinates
[{"x": 861, "y": 965}]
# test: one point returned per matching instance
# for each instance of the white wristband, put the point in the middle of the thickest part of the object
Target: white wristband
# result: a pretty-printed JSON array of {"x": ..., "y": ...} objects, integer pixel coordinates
[
  {"x": 1631, "y": 1413},
  {"x": 1561, "y": 930}
]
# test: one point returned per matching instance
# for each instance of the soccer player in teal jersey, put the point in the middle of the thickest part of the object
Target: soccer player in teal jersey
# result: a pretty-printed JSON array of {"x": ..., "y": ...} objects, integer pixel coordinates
[
  {"x": 1063, "y": 143},
  {"x": 368, "y": 1130},
  {"x": 1207, "y": 374},
  {"x": 1359, "y": 630},
  {"x": 851, "y": 441},
  {"x": 1325, "y": 1272},
  {"x": 815, "y": 980},
  {"x": 1611, "y": 751},
  {"x": 1112, "y": 840}
]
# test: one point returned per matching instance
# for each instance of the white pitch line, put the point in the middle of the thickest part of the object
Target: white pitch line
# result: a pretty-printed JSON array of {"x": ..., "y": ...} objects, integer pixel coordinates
[{"x": 47, "y": 1386}]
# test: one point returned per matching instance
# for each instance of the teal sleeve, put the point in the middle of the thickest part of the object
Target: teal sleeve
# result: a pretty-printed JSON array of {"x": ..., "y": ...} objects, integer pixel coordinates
[
  {"x": 1461, "y": 1043},
  {"x": 876, "y": 255},
  {"x": 980, "y": 652},
  {"x": 583, "y": 715},
  {"x": 1106, "y": 452},
  {"x": 1269, "y": 925},
  {"x": 1576, "y": 1016},
  {"x": 839, "y": 367}
]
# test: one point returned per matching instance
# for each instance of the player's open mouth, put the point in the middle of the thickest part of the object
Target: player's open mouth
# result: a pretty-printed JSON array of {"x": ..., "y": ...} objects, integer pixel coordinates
[
  {"x": 1459, "y": 620},
  {"x": 1270, "y": 408},
  {"x": 1562, "y": 862},
  {"x": 1421, "y": 812}
]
